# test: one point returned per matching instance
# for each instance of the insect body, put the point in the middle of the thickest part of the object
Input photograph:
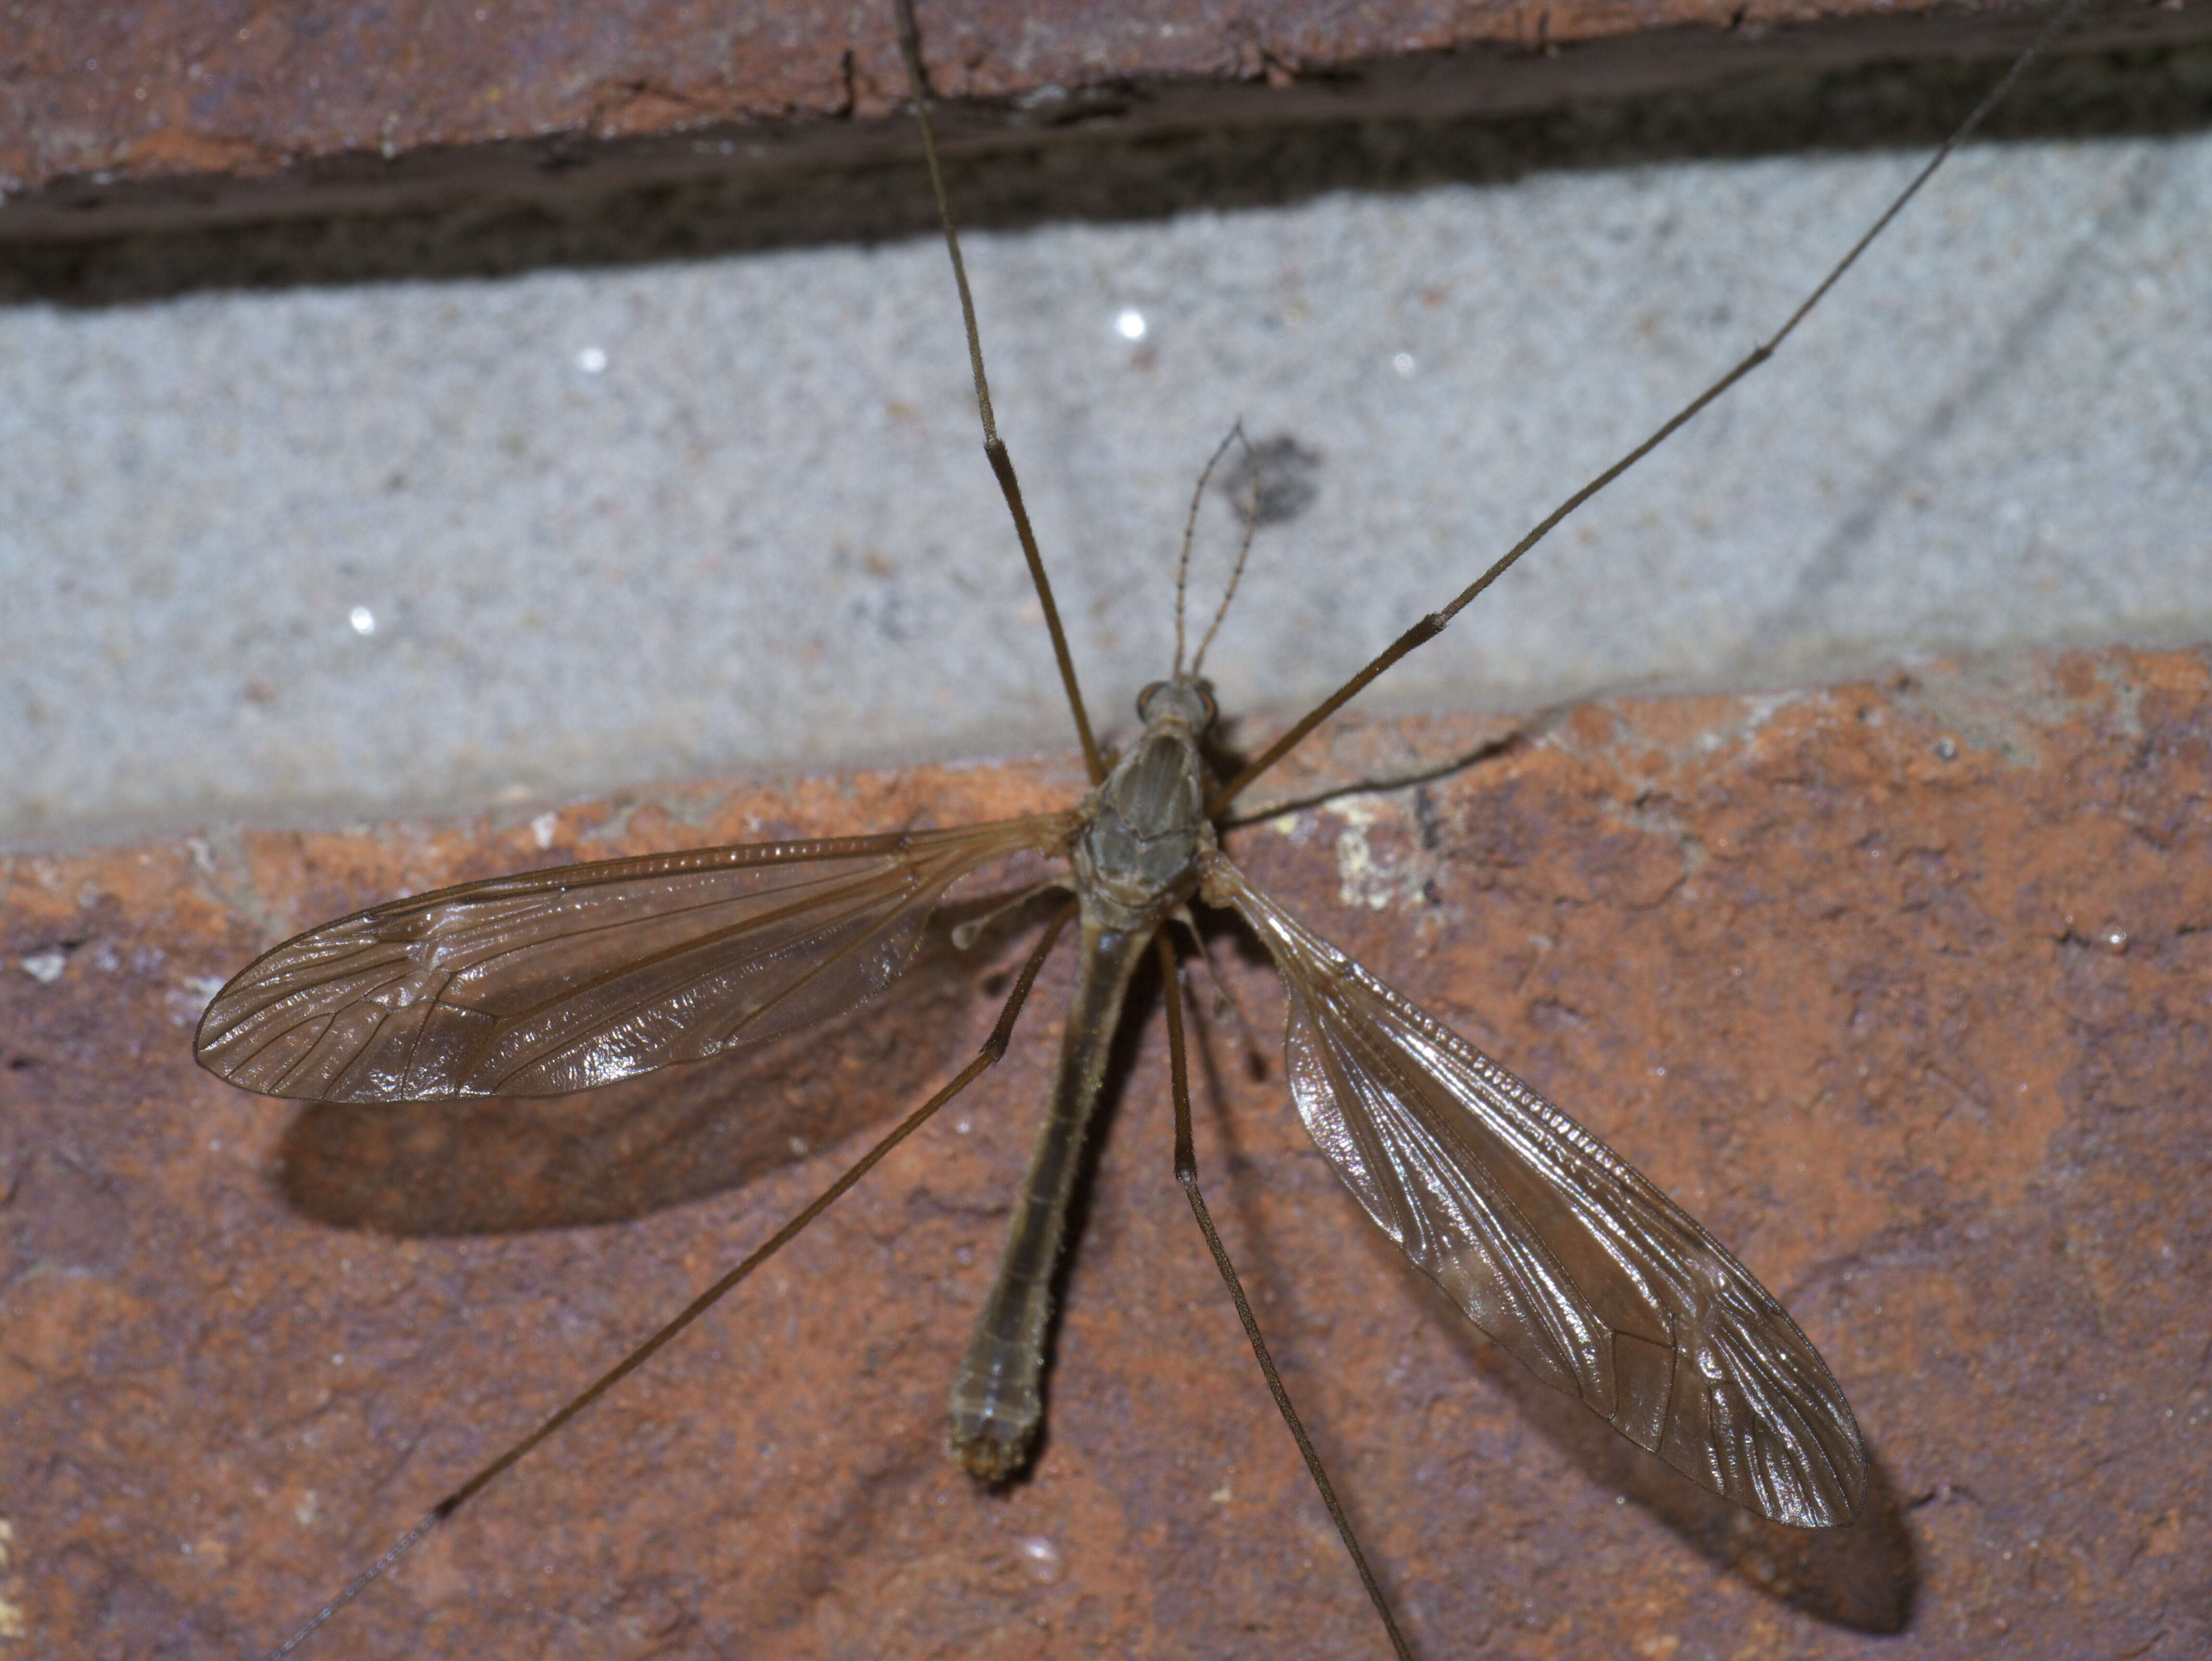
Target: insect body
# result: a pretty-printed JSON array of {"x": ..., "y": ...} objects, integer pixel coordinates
[{"x": 1137, "y": 859}]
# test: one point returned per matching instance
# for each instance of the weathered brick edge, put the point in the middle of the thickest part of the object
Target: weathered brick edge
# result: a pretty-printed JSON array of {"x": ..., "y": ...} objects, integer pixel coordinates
[{"x": 197, "y": 111}]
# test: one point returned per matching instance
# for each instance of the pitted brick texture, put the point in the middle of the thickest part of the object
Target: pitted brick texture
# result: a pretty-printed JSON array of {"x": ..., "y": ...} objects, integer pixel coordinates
[{"x": 1899, "y": 987}]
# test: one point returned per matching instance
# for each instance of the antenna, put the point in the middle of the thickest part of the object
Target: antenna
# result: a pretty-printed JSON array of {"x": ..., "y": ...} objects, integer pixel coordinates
[
  {"x": 1250, "y": 514},
  {"x": 1189, "y": 529}
]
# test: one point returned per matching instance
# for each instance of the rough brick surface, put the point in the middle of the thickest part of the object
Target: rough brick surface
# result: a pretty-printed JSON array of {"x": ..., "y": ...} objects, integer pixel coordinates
[
  {"x": 1901, "y": 987},
  {"x": 170, "y": 112}
]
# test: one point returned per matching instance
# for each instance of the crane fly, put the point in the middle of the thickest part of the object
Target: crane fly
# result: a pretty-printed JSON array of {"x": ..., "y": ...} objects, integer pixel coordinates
[{"x": 567, "y": 979}]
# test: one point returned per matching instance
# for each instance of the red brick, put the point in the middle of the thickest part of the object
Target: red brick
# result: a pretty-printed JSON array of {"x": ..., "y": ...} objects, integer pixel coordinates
[{"x": 1923, "y": 963}]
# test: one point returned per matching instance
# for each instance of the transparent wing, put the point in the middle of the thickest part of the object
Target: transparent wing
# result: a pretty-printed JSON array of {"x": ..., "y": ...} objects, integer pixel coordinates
[
  {"x": 1553, "y": 1244},
  {"x": 565, "y": 979}
]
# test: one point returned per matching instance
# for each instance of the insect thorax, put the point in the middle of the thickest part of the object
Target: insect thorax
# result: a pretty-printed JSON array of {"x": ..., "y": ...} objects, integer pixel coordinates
[{"x": 1138, "y": 854}]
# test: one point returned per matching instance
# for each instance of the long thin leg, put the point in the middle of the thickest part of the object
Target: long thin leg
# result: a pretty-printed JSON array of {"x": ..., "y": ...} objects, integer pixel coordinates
[
  {"x": 1433, "y": 624},
  {"x": 1255, "y": 1058},
  {"x": 994, "y": 448},
  {"x": 994, "y": 1048},
  {"x": 1185, "y": 1169}
]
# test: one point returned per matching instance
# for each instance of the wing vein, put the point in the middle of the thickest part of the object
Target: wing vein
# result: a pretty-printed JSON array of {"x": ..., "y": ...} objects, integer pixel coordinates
[
  {"x": 1552, "y": 1242},
  {"x": 574, "y": 976}
]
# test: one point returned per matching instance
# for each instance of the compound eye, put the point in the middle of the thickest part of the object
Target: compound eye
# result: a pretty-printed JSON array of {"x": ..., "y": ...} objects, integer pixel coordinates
[{"x": 1190, "y": 700}]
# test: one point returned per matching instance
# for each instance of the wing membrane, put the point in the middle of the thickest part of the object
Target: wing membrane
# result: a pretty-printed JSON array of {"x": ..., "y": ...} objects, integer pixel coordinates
[
  {"x": 562, "y": 980},
  {"x": 1553, "y": 1243}
]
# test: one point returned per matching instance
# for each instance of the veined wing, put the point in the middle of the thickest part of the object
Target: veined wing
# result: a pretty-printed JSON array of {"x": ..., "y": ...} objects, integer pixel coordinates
[
  {"x": 562, "y": 980},
  {"x": 1553, "y": 1243}
]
